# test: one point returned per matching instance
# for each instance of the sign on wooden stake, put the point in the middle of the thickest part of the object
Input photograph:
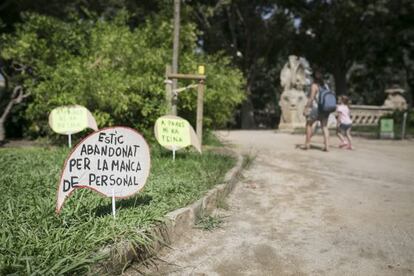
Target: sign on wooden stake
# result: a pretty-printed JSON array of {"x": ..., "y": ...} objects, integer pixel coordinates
[
  {"x": 114, "y": 162},
  {"x": 174, "y": 133},
  {"x": 72, "y": 119}
]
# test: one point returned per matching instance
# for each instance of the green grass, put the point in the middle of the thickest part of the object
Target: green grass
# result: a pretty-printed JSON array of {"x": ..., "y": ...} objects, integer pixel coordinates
[
  {"x": 210, "y": 222},
  {"x": 248, "y": 160},
  {"x": 210, "y": 139},
  {"x": 36, "y": 241}
]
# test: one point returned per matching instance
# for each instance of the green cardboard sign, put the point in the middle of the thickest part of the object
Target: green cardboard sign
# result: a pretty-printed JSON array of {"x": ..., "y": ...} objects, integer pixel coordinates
[
  {"x": 174, "y": 133},
  {"x": 71, "y": 119},
  {"x": 387, "y": 125}
]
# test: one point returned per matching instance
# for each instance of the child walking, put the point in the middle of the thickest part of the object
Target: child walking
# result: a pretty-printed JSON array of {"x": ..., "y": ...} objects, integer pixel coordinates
[{"x": 344, "y": 122}]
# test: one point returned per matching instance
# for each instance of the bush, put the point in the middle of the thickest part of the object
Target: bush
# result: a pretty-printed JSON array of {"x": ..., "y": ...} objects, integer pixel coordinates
[{"x": 115, "y": 71}]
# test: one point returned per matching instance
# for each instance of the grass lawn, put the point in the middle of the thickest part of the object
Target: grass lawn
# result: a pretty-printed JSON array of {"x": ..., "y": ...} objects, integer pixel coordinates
[{"x": 36, "y": 241}]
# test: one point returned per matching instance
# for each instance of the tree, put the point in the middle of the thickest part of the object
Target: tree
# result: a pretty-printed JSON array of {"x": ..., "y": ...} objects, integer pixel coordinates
[
  {"x": 340, "y": 34},
  {"x": 391, "y": 59},
  {"x": 17, "y": 96},
  {"x": 330, "y": 34},
  {"x": 11, "y": 10},
  {"x": 256, "y": 34},
  {"x": 115, "y": 71}
]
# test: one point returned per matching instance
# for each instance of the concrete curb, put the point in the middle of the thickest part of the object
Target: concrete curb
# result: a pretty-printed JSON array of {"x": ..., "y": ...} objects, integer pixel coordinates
[{"x": 174, "y": 225}]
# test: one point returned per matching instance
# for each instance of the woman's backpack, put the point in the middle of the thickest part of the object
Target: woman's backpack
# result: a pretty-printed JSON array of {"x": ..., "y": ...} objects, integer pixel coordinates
[{"x": 327, "y": 100}]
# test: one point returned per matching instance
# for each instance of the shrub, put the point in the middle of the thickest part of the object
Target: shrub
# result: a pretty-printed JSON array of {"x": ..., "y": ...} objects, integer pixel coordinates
[{"x": 115, "y": 71}]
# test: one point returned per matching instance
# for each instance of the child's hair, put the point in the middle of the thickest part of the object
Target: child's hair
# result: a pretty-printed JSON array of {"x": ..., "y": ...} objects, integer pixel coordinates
[{"x": 344, "y": 99}]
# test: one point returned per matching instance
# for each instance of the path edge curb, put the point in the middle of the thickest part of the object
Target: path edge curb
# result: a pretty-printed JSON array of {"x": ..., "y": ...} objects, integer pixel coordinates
[{"x": 174, "y": 224}]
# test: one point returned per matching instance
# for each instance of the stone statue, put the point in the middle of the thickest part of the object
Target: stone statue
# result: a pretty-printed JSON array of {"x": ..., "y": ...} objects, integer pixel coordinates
[
  {"x": 294, "y": 77},
  {"x": 395, "y": 99}
]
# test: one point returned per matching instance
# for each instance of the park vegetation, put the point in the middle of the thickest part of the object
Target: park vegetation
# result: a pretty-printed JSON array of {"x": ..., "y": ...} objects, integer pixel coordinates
[
  {"x": 113, "y": 70},
  {"x": 112, "y": 62},
  {"x": 365, "y": 45},
  {"x": 36, "y": 241},
  {"x": 110, "y": 57}
]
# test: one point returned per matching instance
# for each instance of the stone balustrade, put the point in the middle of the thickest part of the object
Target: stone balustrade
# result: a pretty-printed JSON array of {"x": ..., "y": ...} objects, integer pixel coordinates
[{"x": 368, "y": 115}]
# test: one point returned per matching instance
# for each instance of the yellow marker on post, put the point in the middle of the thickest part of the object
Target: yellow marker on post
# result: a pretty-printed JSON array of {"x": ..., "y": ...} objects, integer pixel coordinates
[{"x": 201, "y": 70}]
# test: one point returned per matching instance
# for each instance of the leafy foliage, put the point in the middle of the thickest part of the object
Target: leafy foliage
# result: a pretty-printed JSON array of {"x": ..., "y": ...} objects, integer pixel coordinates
[
  {"x": 373, "y": 39},
  {"x": 115, "y": 71},
  {"x": 366, "y": 45},
  {"x": 258, "y": 36}
]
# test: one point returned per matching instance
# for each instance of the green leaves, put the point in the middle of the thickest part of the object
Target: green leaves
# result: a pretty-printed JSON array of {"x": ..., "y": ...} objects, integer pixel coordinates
[{"x": 115, "y": 71}]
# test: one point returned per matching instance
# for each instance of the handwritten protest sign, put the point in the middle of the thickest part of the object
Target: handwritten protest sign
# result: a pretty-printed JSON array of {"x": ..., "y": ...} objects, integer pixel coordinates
[
  {"x": 71, "y": 119},
  {"x": 174, "y": 133},
  {"x": 114, "y": 162}
]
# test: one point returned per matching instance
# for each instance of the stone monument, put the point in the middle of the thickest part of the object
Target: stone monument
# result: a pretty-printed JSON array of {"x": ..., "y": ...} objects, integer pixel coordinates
[
  {"x": 293, "y": 79},
  {"x": 395, "y": 99}
]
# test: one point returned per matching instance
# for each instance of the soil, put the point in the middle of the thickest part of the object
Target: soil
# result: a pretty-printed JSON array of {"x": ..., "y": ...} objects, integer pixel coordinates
[{"x": 299, "y": 212}]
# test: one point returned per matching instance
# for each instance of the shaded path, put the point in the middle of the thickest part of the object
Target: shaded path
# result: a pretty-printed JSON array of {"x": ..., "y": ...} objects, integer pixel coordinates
[{"x": 308, "y": 213}]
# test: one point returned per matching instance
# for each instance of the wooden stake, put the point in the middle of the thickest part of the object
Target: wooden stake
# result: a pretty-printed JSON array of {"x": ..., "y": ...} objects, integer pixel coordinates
[
  {"x": 176, "y": 45},
  {"x": 113, "y": 203},
  {"x": 168, "y": 90},
  {"x": 200, "y": 107}
]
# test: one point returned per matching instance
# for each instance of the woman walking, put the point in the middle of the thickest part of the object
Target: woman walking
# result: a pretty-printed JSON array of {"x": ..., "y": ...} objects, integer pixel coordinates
[{"x": 313, "y": 114}]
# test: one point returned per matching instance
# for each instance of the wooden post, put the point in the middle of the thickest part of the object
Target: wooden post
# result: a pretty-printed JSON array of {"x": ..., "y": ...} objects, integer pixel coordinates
[
  {"x": 404, "y": 125},
  {"x": 172, "y": 102},
  {"x": 176, "y": 44},
  {"x": 168, "y": 89},
  {"x": 200, "y": 100}
]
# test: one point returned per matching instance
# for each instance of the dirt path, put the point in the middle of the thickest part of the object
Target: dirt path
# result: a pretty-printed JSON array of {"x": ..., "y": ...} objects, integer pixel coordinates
[{"x": 308, "y": 213}]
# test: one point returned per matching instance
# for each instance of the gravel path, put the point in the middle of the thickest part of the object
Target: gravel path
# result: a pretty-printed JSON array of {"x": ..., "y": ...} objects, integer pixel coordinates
[{"x": 309, "y": 212}]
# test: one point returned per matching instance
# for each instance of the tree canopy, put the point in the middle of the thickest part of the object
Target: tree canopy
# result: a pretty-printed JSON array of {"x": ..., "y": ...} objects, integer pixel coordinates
[
  {"x": 366, "y": 45},
  {"x": 114, "y": 70},
  {"x": 345, "y": 37}
]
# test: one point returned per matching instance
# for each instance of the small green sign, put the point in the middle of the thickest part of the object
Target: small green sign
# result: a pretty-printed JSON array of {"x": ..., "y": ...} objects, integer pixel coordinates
[
  {"x": 173, "y": 132},
  {"x": 71, "y": 119},
  {"x": 387, "y": 125}
]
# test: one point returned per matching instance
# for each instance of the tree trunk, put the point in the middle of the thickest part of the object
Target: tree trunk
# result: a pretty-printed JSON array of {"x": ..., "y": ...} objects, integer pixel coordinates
[
  {"x": 2, "y": 133},
  {"x": 17, "y": 97},
  {"x": 340, "y": 81},
  {"x": 409, "y": 87},
  {"x": 247, "y": 112},
  {"x": 3, "y": 120}
]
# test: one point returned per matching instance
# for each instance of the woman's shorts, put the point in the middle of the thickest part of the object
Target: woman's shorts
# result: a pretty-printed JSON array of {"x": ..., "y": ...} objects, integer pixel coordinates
[
  {"x": 344, "y": 127},
  {"x": 313, "y": 115}
]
